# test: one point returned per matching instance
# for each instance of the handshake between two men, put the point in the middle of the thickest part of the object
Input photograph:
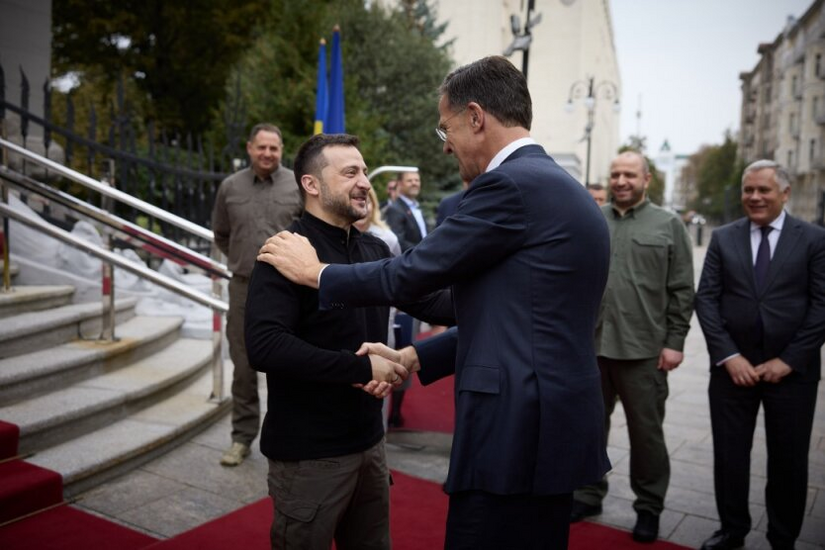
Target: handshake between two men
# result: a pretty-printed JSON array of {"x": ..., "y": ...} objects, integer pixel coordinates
[
  {"x": 389, "y": 367},
  {"x": 295, "y": 257}
]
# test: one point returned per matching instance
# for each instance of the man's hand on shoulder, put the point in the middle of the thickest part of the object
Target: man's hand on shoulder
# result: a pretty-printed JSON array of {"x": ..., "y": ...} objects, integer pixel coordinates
[
  {"x": 774, "y": 370},
  {"x": 669, "y": 359},
  {"x": 293, "y": 256},
  {"x": 741, "y": 371}
]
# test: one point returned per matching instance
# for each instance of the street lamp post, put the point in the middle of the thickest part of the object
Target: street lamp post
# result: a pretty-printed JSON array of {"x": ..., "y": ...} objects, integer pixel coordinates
[
  {"x": 521, "y": 41},
  {"x": 608, "y": 91}
]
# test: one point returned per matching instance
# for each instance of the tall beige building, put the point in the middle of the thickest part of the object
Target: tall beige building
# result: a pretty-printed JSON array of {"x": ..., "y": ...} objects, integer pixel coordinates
[
  {"x": 572, "y": 43},
  {"x": 783, "y": 109}
]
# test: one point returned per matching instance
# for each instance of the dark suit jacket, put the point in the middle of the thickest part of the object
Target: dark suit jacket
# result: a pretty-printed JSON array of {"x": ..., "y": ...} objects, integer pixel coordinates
[
  {"x": 527, "y": 256},
  {"x": 402, "y": 222},
  {"x": 447, "y": 207},
  {"x": 791, "y": 304}
]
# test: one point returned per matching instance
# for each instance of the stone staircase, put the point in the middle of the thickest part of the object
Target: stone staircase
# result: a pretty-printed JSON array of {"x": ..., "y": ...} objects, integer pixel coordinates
[{"x": 92, "y": 410}]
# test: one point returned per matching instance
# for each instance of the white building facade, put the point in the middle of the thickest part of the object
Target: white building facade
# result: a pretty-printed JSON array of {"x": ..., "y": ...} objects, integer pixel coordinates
[{"x": 572, "y": 43}]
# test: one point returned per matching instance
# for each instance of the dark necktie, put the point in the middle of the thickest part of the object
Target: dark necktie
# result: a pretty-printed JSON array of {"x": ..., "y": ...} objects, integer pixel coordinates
[{"x": 763, "y": 258}]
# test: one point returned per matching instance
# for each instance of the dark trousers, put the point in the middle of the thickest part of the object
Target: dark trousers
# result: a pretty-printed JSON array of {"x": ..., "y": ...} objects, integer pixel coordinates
[
  {"x": 478, "y": 520},
  {"x": 343, "y": 498},
  {"x": 789, "y": 413},
  {"x": 643, "y": 391},
  {"x": 246, "y": 408}
]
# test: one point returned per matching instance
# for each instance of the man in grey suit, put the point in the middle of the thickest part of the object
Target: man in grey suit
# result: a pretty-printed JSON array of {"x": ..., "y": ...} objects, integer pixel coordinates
[
  {"x": 527, "y": 255},
  {"x": 761, "y": 304}
]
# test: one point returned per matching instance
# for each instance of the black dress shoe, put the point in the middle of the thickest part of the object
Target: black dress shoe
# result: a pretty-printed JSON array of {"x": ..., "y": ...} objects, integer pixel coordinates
[
  {"x": 723, "y": 540},
  {"x": 647, "y": 527},
  {"x": 581, "y": 510}
]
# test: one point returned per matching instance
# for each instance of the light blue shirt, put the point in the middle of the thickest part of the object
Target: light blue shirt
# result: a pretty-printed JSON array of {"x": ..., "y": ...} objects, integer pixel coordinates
[{"x": 416, "y": 212}]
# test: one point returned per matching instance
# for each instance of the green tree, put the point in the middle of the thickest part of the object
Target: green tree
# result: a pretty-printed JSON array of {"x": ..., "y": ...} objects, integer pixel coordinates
[
  {"x": 391, "y": 102},
  {"x": 717, "y": 174},
  {"x": 177, "y": 53}
]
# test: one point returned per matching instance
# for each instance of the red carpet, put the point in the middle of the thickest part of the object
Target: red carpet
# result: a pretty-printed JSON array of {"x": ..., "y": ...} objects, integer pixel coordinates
[
  {"x": 28, "y": 489},
  {"x": 9, "y": 436},
  {"x": 66, "y": 528},
  {"x": 248, "y": 527},
  {"x": 430, "y": 408},
  {"x": 418, "y": 513},
  {"x": 25, "y": 488}
]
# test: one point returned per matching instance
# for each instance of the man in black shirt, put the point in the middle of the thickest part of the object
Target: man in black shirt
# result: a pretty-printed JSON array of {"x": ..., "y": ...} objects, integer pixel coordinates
[{"x": 324, "y": 437}]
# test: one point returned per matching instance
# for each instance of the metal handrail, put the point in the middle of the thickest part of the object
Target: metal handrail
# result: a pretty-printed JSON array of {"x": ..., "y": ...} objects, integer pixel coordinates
[
  {"x": 219, "y": 307},
  {"x": 154, "y": 244},
  {"x": 119, "y": 261},
  {"x": 111, "y": 192}
]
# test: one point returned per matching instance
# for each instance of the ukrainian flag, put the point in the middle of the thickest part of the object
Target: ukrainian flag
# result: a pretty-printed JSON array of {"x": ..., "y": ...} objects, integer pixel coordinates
[
  {"x": 335, "y": 112},
  {"x": 329, "y": 93}
]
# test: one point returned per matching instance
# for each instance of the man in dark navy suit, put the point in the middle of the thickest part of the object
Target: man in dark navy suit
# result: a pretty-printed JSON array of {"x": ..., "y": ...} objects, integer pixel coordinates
[
  {"x": 761, "y": 304},
  {"x": 404, "y": 215},
  {"x": 527, "y": 257}
]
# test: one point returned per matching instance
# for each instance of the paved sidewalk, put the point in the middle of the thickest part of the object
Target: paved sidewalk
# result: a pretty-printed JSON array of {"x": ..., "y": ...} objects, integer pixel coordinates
[{"x": 188, "y": 487}]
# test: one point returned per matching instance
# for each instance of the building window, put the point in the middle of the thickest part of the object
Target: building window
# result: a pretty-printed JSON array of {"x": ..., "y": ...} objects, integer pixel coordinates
[
  {"x": 818, "y": 65},
  {"x": 790, "y": 159},
  {"x": 814, "y": 107},
  {"x": 794, "y": 85},
  {"x": 811, "y": 151}
]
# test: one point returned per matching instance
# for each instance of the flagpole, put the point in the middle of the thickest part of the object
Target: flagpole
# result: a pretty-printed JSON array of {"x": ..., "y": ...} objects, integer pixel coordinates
[
  {"x": 321, "y": 98},
  {"x": 335, "y": 121}
]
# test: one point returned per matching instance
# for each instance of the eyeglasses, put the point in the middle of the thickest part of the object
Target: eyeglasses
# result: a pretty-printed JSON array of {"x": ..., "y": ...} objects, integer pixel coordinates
[{"x": 440, "y": 131}]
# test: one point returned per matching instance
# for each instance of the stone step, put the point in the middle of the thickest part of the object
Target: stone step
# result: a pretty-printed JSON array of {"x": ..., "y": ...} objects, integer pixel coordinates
[
  {"x": 23, "y": 299},
  {"x": 117, "y": 448},
  {"x": 43, "y": 329},
  {"x": 28, "y": 375},
  {"x": 56, "y": 417}
]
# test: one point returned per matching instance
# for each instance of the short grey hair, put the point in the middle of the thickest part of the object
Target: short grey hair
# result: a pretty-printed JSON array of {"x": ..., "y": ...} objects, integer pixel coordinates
[
  {"x": 265, "y": 127},
  {"x": 780, "y": 175}
]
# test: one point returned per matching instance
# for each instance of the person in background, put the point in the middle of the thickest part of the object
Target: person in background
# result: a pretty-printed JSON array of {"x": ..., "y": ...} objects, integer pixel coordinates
[
  {"x": 406, "y": 220},
  {"x": 598, "y": 192},
  {"x": 392, "y": 194},
  {"x": 404, "y": 215},
  {"x": 373, "y": 223},
  {"x": 249, "y": 206},
  {"x": 644, "y": 319},
  {"x": 761, "y": 304}
]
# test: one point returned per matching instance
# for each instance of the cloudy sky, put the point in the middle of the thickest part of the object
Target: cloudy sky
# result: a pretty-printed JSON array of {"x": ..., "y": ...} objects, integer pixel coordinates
[{"x": 683, "y": 59}]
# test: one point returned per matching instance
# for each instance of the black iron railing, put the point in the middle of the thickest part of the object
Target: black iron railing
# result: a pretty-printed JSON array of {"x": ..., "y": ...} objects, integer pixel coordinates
[{"x": 177, "y": 174}]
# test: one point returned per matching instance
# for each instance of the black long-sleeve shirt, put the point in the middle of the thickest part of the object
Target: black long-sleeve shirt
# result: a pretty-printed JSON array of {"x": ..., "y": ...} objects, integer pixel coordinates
[{"x": 308, "y": 354}]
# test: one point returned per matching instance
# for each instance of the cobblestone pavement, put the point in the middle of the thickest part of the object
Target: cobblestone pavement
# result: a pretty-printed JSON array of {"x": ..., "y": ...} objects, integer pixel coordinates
[{"x": 188, "y": 487}]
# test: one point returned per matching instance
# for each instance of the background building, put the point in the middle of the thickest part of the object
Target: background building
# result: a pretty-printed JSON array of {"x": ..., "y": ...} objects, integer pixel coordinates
[
  {"x": 572, "y": 43},
  {"x": 671, "y": 165},
  {"x": 783, "y": 109}
]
